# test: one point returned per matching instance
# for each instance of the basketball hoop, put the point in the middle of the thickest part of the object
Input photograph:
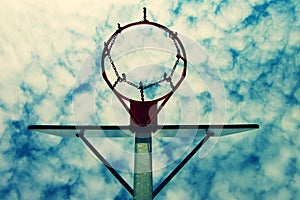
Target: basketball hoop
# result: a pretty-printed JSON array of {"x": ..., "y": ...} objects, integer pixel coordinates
[{"x": 143, "y": 111}]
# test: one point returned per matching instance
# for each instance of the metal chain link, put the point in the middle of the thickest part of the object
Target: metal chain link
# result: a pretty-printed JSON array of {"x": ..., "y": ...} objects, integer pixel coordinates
[
  {"x": 175, "y": 66},
  {"x": 141, "y": 90},
  {"x": 175, "y": 43},
  {"x": 116, "y": 82},
  {"x": 110, "y": 58}
]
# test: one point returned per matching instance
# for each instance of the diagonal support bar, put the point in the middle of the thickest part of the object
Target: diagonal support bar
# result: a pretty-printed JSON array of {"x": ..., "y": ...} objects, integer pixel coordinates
[
  {"x": 180, "y": 165},
  {"x": 105, "y": 162}
]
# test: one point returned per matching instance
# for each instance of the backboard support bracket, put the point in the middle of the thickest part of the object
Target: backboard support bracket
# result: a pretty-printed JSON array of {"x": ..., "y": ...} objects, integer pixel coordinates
[{"x": 120, "y": 178}]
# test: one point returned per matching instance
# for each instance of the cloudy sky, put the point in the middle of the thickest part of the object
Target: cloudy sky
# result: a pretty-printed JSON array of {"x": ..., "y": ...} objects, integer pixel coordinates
[{"x": 45, "y": 54}]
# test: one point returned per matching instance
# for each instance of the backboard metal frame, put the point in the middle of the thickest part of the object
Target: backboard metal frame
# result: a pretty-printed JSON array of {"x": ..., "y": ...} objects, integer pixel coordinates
[{"x": 111, "y": 132}]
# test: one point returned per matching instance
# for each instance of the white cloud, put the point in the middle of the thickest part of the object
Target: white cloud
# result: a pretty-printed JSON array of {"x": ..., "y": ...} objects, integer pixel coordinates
[
  {"x": 235, "y": 12},
  {"x": 47, "y": 111},
  {"x": 179, "y": 194},
  {"x": 291, "y": 120}
]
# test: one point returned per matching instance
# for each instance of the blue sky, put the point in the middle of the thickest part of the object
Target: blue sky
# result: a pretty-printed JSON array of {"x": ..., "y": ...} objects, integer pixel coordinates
[{"x": 255, "y": 51}]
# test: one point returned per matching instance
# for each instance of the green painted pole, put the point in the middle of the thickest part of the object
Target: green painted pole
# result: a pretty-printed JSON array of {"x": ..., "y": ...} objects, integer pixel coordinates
[{"x": 142, "y": 180}]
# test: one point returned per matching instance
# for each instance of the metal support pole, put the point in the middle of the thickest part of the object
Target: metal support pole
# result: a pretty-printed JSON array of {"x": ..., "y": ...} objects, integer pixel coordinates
[{"x": 142, "y": 183}]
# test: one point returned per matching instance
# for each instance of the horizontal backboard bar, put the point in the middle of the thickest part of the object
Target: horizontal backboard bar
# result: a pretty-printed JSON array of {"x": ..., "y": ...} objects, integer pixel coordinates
[{"x": 161, "y": 130}]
